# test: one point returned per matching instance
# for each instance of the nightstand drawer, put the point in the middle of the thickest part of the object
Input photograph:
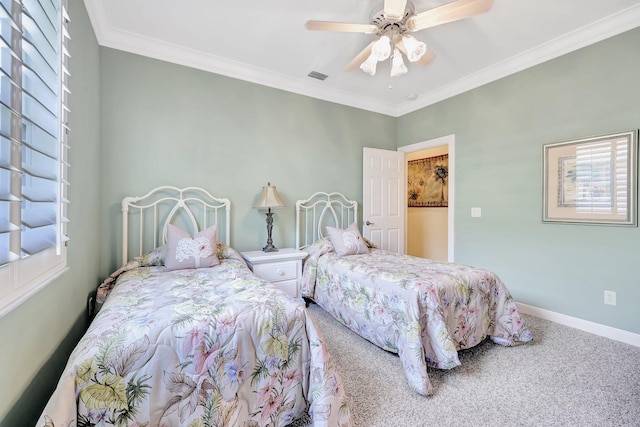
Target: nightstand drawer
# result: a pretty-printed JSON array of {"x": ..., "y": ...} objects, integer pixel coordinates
[
  {"x": 289, "y": 286},
  {"x": 276, "y": 272}
]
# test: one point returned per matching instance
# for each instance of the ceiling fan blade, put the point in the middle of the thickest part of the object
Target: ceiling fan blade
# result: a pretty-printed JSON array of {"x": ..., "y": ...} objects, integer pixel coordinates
[
  {"x": 394, "y": 9},
  {"x": 424, "y": 60},
  {"x": 449, "y": 12},
  {"x": 342, "y": 27},
  {"x": 359, "y": 58}
]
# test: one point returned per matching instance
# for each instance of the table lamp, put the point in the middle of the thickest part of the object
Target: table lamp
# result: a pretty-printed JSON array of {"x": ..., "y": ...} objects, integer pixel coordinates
[{"x": 269, "y": 198}]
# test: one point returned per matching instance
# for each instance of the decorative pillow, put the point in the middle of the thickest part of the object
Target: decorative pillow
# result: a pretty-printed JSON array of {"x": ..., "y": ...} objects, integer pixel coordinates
[
  {"x": 348, "y": 241},
  {"x": 185, "y": 251},
  {"x": 318, "y": 248},
  {"x": 227, "y": 252},
  {"x": 155, "y": 257}
]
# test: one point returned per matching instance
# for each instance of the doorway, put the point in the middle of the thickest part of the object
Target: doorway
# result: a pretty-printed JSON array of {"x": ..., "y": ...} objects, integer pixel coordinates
[{"x": 421, "y": 229}]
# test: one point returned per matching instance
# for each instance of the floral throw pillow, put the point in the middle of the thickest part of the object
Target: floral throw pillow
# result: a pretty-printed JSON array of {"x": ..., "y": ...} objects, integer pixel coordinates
[
  {"x": 186, "y": 251},
  {"x": 153, "y": 258},
  {"x": 348, "y": 241}
]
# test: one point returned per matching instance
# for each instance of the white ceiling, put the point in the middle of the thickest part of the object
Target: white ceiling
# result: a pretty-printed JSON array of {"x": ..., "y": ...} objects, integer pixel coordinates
[{"x": 265, "y": 42}]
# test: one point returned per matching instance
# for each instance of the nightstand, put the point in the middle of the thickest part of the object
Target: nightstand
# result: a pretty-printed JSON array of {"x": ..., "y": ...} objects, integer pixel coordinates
[{"x": 282, "y": 268}]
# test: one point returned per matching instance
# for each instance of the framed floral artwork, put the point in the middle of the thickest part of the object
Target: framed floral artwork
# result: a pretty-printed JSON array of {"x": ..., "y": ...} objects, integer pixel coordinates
[
  {"x": 428, "y": 182},
  {"x": 592, "y": 180}
]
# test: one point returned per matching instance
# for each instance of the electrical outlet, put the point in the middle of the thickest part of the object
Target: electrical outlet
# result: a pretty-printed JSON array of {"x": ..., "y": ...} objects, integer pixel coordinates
[
  {"x": 476, "y": 212},
  {"x": 610, "y": 297}
]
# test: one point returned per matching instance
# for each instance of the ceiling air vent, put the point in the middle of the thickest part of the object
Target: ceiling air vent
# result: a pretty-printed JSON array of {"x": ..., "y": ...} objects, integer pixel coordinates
[{"x": 317, "y": 75}]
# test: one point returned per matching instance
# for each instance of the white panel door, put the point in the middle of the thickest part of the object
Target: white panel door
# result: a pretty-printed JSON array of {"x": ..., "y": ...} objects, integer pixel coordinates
[{"x": 384, "y": 198}]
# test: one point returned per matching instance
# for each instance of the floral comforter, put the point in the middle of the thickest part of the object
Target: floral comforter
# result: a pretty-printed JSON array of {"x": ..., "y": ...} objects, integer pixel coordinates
[
  {"x": 200, "y": 347},
  {"x": 421, "y": 309}
]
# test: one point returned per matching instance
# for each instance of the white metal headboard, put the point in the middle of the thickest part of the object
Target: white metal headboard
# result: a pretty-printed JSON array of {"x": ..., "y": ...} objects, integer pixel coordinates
[
  {"x": 145, "y": 218},
  {"x": 320, "y": 210}
]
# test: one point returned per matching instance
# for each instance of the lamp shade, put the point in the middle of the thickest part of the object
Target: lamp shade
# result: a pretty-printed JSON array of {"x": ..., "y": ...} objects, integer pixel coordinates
[
  {"x": 369, "y": 66},
  {"x": 397, "y": 64},
  {"x": 415, "y": 48},
  {"x": 382, "y": 48},
  {"x": 269, "y": 198}
]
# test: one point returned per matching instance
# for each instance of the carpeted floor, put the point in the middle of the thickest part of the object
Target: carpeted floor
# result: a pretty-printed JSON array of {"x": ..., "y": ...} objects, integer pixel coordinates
[{"x": 565, "y": 377}]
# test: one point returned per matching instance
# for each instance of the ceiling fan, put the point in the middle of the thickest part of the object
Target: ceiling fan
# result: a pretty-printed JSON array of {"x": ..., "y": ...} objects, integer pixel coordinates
[{"x": 393, "y": 25}]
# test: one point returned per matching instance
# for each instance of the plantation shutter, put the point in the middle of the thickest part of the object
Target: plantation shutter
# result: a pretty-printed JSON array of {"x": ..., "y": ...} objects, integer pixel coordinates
[
  {"x": 41, "y": 130},
  {"x": 33, "y": 141}
]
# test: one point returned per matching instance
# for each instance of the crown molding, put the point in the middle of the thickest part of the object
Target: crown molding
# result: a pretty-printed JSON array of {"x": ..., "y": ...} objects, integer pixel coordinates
[
  {"x": 111, "y": 37},
  {"x": 613, "y": 25}
]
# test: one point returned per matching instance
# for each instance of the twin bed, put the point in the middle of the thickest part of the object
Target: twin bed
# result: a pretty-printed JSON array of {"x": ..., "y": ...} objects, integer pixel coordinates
[
  {"x": 188, "y": 335},
  {"x": 424, "y": 310},
  {"x": 208, "y": 346}
]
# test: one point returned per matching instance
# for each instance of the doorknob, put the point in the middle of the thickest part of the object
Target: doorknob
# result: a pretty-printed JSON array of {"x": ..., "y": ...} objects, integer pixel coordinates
[{"x": 369, "y": 223}]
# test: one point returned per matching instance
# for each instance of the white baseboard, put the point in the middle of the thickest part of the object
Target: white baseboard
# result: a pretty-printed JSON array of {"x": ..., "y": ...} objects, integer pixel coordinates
[{"x": 583, "y": 325}]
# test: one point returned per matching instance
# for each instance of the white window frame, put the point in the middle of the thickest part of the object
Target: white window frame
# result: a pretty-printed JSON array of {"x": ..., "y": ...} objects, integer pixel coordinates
[{"x": 23, "y": 277}]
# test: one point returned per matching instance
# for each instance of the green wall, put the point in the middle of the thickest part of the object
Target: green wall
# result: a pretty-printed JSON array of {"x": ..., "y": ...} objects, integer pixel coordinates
[
  {"x": 164, "y": 124},
  {"x": 38, "y": 336},
  {"x": 499, "y": 131},
  {"x": 139, "y": 123}
]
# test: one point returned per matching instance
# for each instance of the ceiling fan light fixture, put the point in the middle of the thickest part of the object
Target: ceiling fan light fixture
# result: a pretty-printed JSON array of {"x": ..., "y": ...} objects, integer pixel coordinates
[
  {"x": 369, "y": 66},
  {"x": 397, "y": 64},
  {"x": 392, "y": 23},
  {"x": 415, "y": 48},
  {"x": 382, "y": 48}
]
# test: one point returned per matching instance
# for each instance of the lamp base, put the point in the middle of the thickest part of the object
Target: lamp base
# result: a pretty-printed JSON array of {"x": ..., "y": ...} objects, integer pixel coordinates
[{"x": 269, "y": 247}]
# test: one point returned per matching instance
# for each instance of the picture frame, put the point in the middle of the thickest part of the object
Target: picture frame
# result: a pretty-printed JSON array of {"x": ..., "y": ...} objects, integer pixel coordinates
[
  {"x": 591, "y": 180},
  {"x": 428, "y": 181}
]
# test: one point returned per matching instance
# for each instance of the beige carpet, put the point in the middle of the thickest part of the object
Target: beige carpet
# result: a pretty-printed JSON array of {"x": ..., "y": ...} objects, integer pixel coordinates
[{"x": 565, "y": 377}]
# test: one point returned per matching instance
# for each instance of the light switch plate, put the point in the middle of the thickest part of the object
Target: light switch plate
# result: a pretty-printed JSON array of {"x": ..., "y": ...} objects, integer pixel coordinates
[{"x": 476, "y": 212}]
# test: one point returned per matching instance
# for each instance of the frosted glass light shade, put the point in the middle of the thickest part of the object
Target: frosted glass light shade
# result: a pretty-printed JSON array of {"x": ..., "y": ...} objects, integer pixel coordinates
[
  {"x": 369, "y": 66},
  {"x": 382, "y": 48},
  {"x": 415, "y": 48},
  {"x": 397, "y": 64}
]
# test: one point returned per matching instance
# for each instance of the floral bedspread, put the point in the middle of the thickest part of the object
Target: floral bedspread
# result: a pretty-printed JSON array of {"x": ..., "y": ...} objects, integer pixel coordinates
[
  {"x": 423, "y": 310},
  {"x": 200, "y": 347}
]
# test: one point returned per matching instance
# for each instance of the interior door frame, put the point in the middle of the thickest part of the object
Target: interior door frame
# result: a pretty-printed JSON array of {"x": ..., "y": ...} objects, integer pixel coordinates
[{"x": 450, "y": 142}]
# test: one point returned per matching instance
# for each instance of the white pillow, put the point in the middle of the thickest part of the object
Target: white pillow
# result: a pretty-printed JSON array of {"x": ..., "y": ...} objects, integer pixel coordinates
[
  {"x": 348, "y": 241},
  {"x": 185, "y": 251}
]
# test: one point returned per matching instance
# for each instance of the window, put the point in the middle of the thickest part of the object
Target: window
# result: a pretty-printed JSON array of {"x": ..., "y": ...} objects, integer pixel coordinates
[{"x": 33, "y": 146}]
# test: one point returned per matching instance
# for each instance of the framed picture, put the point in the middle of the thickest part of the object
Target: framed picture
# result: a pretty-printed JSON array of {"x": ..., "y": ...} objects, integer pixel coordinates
[
  {"x": 428, "y": 182},
  {"x": 592, "y": 180}
]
